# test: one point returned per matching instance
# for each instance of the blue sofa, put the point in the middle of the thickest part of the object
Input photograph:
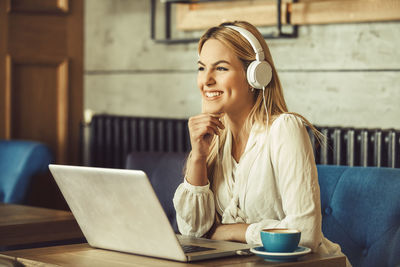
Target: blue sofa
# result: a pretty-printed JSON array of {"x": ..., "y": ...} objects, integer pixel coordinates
[
  {"x": 361, "y": 212},
  {"x": 19, "y": 162},
  {"x": 360, "y": 205}
]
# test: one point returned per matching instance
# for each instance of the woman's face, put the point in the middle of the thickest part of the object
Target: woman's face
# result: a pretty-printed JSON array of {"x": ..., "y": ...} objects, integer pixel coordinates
[{"x": 222, "y": 81}]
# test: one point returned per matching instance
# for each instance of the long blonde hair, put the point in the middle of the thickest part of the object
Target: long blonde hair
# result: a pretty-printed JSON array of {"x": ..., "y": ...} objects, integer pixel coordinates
[{"x": 274, "y": 98}]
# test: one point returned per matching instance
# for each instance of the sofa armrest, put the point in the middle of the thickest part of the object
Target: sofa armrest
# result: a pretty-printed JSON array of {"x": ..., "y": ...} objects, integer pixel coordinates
[{"x": 19, "y": 162}]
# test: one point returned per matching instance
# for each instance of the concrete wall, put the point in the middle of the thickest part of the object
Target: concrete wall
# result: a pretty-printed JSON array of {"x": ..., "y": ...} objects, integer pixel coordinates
[{"x": 338, "y": 75}]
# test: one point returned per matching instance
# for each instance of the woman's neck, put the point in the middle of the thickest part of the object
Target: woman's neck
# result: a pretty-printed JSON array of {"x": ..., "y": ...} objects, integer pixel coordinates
[{"x": 240, "y": 135}]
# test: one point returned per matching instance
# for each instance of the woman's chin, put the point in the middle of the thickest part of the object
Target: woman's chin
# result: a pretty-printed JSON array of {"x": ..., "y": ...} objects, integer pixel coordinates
[{"x": 213, "y": 110}]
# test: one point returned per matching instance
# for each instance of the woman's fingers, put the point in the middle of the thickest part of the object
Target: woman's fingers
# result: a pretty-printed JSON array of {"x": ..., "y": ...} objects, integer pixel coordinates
[
  {"x": 205, "y": 123},
  {"x": 216, "y": 118},
  {"x": 203, "y": 127}
]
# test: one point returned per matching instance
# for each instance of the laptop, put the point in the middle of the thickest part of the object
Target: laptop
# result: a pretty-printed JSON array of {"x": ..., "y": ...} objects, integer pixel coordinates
[{"x": 119, "y": 210}]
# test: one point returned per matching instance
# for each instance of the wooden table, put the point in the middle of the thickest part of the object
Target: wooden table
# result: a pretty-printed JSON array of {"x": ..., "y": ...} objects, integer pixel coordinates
[
  {"x": 21, "y": 225},
  {"x": 83, "y": 255}
]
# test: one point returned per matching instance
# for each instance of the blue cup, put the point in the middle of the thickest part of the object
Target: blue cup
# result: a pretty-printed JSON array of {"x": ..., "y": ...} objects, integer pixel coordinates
[{"x": 280, "y": 240}]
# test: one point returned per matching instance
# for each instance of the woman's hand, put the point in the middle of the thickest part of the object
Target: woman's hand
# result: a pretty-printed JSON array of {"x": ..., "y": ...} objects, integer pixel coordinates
[
  {"x": 230, "y": 232},
  {"x": 202, "y": 129}
]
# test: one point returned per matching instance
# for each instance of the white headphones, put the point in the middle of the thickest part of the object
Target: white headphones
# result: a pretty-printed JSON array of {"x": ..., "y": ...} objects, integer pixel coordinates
[{"x": 259, "y": 72}]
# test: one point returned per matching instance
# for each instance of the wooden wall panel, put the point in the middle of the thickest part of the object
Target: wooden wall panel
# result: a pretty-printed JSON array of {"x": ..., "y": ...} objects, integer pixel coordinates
[
  {"x": 47, "y": 6},
  {"x": 3, "y": 62},
  {"x": 43, "y": 35},
  {"x": 38, "y": 97},
  {"x": 324, "y": 12},
  {"x": 264, "y": 13},
  {"x": 7, "y": 99},
  {"x": 202, "y": 16},
  {"x": 39, "y": 44},
  {"x": 41, "y": 81}
]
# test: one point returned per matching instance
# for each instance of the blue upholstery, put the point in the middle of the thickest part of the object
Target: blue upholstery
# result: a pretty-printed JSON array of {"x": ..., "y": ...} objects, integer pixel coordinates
[
  {"x": 165, "y": 174},
  {"x": 19, "y": 161},
  {"x": 360, "y": 205},
  {"x": 361, "y": 212}
]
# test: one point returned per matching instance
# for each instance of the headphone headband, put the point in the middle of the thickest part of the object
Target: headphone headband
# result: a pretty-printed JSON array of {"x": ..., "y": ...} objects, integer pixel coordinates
[
  {"x": 258, "y": 50},
  {"x": 259, "y": 71}
]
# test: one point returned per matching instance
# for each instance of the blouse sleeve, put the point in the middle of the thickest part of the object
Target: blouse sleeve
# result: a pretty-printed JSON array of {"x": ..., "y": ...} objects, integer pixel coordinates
[
  {"x": 297, "y": 181},
  {"x": 195, "y": 209}
]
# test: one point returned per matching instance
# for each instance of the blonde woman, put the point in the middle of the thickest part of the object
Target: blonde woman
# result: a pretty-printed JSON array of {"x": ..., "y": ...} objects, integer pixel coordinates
[{"x": 251, "y": 166}]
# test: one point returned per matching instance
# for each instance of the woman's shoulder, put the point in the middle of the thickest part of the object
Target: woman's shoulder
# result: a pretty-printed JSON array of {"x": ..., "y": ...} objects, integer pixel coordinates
[
  {"x": 282, "y": 124},
  {"x": 286, "y": 120},
  {"x": 287, "y": 128}
]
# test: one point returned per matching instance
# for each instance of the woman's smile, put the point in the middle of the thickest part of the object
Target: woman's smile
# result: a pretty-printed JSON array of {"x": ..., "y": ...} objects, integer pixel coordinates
[{"x": 211, "y": 95}]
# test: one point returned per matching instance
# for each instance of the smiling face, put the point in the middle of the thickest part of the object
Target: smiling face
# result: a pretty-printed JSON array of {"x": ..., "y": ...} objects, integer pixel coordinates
[{"x": 222, "y": 81}]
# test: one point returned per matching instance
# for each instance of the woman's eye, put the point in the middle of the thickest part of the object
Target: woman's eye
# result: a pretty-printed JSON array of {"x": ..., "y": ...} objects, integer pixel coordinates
[
  {"x": 200, "y": 68},
  {"x": 221, "y": 69}
]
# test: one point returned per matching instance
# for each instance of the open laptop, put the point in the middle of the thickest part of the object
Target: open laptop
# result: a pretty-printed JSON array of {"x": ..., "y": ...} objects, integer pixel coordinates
[{"x": 119, "y": 210}]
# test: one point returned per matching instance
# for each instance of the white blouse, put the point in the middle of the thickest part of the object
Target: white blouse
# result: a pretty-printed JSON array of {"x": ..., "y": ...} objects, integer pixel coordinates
[{"x": 274, "y": 185}]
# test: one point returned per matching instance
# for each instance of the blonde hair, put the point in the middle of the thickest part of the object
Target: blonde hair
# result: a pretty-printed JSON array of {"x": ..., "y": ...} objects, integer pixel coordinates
[{"x": 274, "y": 98}]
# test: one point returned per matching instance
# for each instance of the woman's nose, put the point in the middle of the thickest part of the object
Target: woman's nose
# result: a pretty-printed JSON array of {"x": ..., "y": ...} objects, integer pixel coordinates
[{"x": 208, "y": 78}]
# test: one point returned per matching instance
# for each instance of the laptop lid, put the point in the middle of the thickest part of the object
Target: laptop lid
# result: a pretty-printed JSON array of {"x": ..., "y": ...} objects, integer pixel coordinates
[{"x": 119, "y": 210}]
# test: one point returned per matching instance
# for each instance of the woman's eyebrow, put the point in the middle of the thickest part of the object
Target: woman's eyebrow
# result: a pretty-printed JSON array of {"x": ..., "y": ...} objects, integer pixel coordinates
[
  {"x": 216, "y": 63},
  {"x": 221, "y": 61}
]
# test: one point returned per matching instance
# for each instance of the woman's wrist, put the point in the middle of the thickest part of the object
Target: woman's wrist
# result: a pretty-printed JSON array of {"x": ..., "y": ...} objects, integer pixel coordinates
[
  {"x": 198, "y": 158},
  {"x": 239, "y": 232},
  {"x": 197, "y": 185},
  {"x": 197, "y": 170},
  {"x": 230, "y": 232}
]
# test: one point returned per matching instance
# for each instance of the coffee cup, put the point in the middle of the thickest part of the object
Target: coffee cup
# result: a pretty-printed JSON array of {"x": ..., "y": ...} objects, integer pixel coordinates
[{"x": 280, "y": 239}]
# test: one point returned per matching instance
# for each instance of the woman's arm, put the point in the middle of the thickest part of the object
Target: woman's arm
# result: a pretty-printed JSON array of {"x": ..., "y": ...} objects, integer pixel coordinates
[
  {"x": 195, "y": 209},
  {"x": 193, "y": 200},
  {"x": 230, "y": 232},
  {"x": 202, "y": 129}
]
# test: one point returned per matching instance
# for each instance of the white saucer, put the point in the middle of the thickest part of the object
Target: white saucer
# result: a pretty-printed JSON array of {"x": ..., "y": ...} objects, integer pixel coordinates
[{"x": 280, "y": 256}]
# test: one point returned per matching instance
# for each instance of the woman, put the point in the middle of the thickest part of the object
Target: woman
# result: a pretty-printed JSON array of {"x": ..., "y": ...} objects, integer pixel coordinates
[{"x": 251, "y": 166}]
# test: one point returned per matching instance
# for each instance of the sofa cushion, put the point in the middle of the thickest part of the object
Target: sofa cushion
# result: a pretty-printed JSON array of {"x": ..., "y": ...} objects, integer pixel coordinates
[
  {"x": 361, "y": 212},
  {"x": 164, "y": 170},
  {"x": 19, "y": 162}
]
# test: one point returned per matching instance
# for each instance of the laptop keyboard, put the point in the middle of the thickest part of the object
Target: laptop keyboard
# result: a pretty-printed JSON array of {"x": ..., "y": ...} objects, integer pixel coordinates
[{"x": 191, "y": 248}]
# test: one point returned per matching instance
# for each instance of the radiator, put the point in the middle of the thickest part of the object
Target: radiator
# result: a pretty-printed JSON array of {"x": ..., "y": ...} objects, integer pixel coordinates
[
  {"x": 358, "y": 147},
  {"x": 108, "y": 139}
]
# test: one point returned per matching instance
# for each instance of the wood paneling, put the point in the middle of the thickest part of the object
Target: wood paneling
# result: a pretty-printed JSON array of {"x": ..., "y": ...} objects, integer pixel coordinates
[
  {"x": 201, "y": 16},
  {"x": 41, "y": 6},
  {"x": 264, "y": 13},
  {"x": 41, "y": 78},
  {"x": 39, "y": 87},
  {"x": 45, "y": 34},
  {"x": 62, "y": 110},
  {"x": 4, "y": 98},
  {"x": 7, "y": 98},
  {"x": 323, "y": 12},
  {"x": 74, "y": 43}
]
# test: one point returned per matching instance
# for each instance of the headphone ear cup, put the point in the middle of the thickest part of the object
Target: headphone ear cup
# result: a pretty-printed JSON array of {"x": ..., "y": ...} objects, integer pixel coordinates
[{"x": 259, "y": 74}]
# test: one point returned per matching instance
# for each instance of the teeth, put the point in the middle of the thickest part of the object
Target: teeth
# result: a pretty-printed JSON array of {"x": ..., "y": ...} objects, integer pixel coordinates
[{"x": 213, "y": 94}]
